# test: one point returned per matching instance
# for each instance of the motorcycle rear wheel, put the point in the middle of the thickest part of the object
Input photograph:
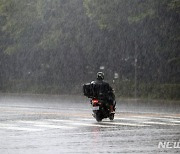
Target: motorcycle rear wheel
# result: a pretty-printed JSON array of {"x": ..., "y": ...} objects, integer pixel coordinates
[
  {"x": 98, "y": 118},
  {"x": 111, "y": 116}
]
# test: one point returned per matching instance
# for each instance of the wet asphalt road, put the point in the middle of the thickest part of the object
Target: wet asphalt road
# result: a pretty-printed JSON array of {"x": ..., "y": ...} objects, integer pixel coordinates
[{"x": 41, "y": 124}]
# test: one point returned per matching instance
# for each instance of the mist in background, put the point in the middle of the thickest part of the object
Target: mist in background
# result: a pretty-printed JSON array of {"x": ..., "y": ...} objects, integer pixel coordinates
[{"x": 54, "y": 46}]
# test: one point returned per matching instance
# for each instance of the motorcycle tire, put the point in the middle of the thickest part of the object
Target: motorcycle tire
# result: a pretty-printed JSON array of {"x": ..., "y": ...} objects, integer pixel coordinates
[
  {"x": 98, "y": 118},
  {"x": 111, "y": 116}
]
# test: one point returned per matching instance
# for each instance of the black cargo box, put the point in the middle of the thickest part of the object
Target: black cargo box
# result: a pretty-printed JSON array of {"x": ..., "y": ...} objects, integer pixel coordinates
[{"x": 88, "y": 90}]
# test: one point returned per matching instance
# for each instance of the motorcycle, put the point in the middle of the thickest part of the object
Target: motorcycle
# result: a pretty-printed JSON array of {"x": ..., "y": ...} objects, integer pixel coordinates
[{"x": 101, "y": 110}]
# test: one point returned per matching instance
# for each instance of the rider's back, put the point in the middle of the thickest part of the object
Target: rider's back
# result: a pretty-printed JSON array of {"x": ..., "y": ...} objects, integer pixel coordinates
[{"x": 101, "y": 89}]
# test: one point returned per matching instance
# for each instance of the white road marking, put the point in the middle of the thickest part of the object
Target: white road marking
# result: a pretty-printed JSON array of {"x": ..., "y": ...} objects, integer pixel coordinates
[
  {"x": 176, "y": 117},
  {"x": 170, "y": 121},
  {"x": 45, "y": 124},
  {"x": 176, "y": 121},
  {"x": 56, "y": 120},
  {"x": 146, "y": 117},
  {"x": 132, "y": 118},
  {"x": 144, "y": 124},
  {"x": 75, "y": 122},
  {"x": 55, "y": 126},
  {"x": 164, "y": 119},
  {"x": 86, "y": 119},
  {"x": 6, "y": 125},
  {"x": 161, "y": 123},
  {"x": 32, "y": 122},
  {"x": 96, "y": 125},
  {"x": 41, "y": 125},
  {"x": 125, "y": 124},
  {"x": 21, "y": 128},
  {"x": 102, "y": 132}
]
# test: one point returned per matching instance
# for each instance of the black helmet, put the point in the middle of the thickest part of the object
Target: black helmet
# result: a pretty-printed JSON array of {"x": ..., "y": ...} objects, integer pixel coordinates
[{"x": 100, "y": 76}]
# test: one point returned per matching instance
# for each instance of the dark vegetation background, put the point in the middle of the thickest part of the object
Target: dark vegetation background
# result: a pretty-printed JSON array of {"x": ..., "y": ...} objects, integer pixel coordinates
[{"x": 54, "y": 46}]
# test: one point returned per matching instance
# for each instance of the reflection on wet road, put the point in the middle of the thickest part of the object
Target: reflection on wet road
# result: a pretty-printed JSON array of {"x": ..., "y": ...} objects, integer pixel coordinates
[{"x": 36, "y": 125}]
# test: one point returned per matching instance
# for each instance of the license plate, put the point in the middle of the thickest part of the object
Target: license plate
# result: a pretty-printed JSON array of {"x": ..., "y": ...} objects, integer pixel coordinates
[{"x": 95, "y": 108}]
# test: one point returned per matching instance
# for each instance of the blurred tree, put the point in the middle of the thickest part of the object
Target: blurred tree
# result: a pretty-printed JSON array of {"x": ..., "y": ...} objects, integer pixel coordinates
[
  {"x": 63, "y": 43},
  {"x": 149, "y": 29}
]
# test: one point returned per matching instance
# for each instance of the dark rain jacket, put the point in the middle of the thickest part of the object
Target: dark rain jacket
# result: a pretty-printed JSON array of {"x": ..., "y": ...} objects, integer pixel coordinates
[{"x": 102, "y": 90}]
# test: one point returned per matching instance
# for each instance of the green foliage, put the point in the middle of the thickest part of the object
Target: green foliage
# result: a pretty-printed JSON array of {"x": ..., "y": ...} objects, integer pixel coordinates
[
  {"x": 62, "y": 43},
  {"x": 165, "y": 91},
  {"x": 148, "y": 90}
]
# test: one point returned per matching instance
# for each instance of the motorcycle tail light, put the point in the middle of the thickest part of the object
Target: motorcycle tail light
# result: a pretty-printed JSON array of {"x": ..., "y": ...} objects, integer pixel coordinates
[{"x": 95, "y": 101}]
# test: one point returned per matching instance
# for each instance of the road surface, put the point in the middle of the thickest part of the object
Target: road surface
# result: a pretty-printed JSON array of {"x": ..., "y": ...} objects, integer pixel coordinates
[{"x": 42, "y": 124}]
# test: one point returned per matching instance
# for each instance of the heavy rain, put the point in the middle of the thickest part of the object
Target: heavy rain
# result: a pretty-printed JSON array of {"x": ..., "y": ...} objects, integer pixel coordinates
[{"x": 50, "y": 48}]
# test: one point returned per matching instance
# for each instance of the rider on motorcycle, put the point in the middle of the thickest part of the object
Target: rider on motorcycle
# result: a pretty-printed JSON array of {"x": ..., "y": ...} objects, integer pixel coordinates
[{"x": 102, "y": 90}]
